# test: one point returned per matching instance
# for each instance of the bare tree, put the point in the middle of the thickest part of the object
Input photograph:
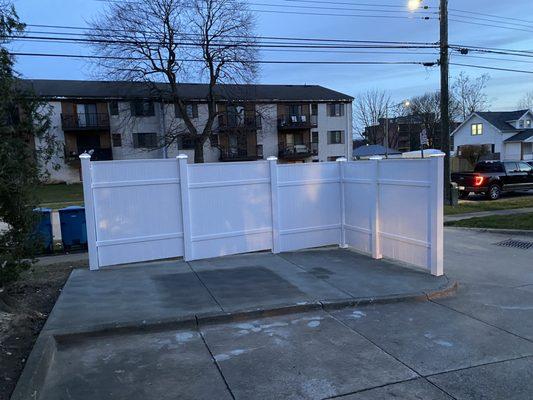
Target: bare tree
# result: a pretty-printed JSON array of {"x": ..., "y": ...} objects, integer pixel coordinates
[
  {"x": 170, "y": 41},
  {"x": 526, "y": 101},
  {"x": 369, "y": 107},
  {"x": 469, "y": 94}
]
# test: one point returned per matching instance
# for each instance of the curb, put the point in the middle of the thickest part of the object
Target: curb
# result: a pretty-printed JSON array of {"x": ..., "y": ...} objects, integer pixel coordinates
[
  {"x": 194, "y": 321},
  {"x": 493, "y": 230}
]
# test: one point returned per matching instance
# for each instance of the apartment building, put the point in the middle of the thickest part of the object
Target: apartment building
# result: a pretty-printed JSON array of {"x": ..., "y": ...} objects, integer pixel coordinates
[{"x": 128, "y": 120}]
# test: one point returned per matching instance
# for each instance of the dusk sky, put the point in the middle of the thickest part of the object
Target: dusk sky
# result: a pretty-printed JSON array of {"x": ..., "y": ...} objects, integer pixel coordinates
[{"x": 504, "y": 88}]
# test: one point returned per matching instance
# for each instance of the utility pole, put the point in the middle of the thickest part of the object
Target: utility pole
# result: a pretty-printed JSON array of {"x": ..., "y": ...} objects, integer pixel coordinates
[{"x": 445, "y": 98}]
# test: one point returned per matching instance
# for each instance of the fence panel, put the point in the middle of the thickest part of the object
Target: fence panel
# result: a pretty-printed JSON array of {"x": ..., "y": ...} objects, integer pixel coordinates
[
  {"x": 142, "y": 210},
  {"x": 359, "y": 179},
  {"x": 309, "y": 205},
  {"x": 230, "y": 208},
  {"x": 137, "y": 210}
]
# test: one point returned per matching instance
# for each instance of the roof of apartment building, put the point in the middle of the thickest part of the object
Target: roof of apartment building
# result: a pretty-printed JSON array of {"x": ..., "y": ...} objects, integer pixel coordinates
[
  {"x": 499, "y": 118},
  {"x": 70, "y": 89}
]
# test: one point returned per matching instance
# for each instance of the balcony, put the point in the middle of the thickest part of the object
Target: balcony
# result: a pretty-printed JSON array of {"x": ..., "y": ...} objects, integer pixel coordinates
[
  {"x": 241, "y": 154},
  {"x": 236, "y": 121},
  {"x": 294, "y": 152},
  {"x": 98, "y": 154},
  {"x": 297, "y": 122},
  {"x": 84, "y": 121}
]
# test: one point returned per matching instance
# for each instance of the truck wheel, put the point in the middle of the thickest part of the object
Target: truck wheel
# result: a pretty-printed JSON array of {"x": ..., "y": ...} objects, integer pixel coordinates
[
  {"x": 463, "y": 195},
  {"x": 494, "y": 192}
]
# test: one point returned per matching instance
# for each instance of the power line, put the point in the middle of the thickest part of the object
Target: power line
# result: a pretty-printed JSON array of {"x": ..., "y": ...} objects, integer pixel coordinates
[
  {"x": 227, "y": 36},
  {"x": 319, "y": 62},
  {"x": 224, "y": 44},
  {"x": 490, "y": 15},
  {"x": 490, "y": 25},
  {"x": 492, "y": 20},
  {"x": 492, "y": 68}
]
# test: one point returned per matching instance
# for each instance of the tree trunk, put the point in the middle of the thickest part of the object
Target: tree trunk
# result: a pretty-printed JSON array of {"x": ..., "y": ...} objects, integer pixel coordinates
[{"x": 199, "y": 151}]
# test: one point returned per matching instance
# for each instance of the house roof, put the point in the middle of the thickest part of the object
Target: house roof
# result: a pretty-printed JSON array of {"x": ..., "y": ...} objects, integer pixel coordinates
[
  {"x": 373, "y": 150},
  {"x": 499, "y": 118},
  {"x": 53, "y": 89},
  {"x": 521, "y": 136}
]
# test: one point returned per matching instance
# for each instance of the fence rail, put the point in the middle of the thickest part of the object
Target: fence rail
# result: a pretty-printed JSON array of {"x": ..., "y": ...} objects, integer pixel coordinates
[{"x": 141, "y": 210}]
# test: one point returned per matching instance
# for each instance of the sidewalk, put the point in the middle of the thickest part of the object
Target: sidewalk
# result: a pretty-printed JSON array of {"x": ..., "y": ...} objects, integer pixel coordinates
[{"x": 458, "y": 217}]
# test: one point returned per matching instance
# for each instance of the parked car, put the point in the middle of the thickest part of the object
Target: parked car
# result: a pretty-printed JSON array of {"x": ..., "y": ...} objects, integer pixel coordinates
[
  {"x": 530, "y": 163},
  {"x": 494, "y": 177}
]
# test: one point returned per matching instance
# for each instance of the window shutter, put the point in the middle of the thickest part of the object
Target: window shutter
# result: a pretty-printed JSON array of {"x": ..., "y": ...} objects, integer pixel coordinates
[
  {"x": 133, "y": 108},
  {"x": 135, "y": 140},
  {"x": 177, "y": 111},
  {"x": 195, "y": 110}
]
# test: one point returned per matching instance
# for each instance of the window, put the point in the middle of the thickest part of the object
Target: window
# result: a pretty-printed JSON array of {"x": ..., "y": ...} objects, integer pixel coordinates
[
  {"x": 213, "y": 139},
  {"x": 117, "y": 139},
  {"x": 335, "y": 137},
  {"x": 528, "y": 123},
  {"x": 477, "y": 129},
  {"x": 192, "y": 110},
  {"x": 511, "y": 167},
  {"x": 336, "y": 109},
  {"x": 314, "y": 109},
  {"x": 185, "y": 143},
  {"x": 314, "y": 143},
  {"x": 113, "y": 107},
  {"x": 140, "y": 108},
  {"x": 295, "y": 110},
  {"x": 524, "y": 167},
  {"x": 521, "y": 123},
  {"x": 145, "y": 140}
]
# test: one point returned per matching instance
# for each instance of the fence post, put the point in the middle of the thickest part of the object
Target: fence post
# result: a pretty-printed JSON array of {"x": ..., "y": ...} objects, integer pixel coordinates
[
  {"x": 273, "y": 163},
  {"x": 436, "y": 214},
  {"x": 342, "y": 165},
  {"x": 90, "y": 218},
  {"x": 185, "y": 206},
  {"x": 375, "y": 214}
]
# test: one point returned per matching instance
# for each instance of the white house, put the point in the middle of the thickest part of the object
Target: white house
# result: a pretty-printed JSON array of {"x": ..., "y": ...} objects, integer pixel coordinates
[
  {"x": 508, "y": 135},
  {"x": 126, "y": 120}
]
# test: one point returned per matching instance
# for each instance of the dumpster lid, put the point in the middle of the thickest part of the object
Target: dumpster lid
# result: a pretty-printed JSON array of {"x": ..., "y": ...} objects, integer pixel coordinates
[
  {"x": 43, "y": 209},
  {"x": 70, "y": 208}
]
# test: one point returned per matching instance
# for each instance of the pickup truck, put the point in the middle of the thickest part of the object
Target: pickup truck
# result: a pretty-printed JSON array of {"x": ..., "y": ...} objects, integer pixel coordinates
[{"x": 494, "y": 177}]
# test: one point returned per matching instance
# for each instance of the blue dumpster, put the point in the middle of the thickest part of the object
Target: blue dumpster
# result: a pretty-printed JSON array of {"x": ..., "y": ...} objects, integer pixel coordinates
[
  {"x": 73, "y": 229},
  {"x": 43, "y": 229}
]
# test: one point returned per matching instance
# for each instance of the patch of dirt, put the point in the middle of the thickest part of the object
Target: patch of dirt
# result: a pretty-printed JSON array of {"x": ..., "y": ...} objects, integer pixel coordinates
[{"x": 32, "y": 297}]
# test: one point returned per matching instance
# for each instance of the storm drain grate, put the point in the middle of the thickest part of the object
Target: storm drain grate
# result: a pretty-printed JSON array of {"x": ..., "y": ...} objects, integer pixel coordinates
[{"x": 517, "y": 244}]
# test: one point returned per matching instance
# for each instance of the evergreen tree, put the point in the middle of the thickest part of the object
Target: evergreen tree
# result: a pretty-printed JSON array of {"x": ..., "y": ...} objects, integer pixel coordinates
[{"x": 25, "y": 146}]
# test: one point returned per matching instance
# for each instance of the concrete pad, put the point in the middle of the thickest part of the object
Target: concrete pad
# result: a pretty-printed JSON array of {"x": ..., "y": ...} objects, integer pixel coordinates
[
  {"x": 505, "y": 380},
  {"x": 303, "y": 356},
  {"x": 310, "y": 288},
  {"x": 431, "y": 338},
  {"x": 159, "y": 366},
  {"x": 144, "y": 292},
  {"x": 417, "y": 389},
  {"x": 360, "y": 275},
  {"x": 507, "y": 308}
]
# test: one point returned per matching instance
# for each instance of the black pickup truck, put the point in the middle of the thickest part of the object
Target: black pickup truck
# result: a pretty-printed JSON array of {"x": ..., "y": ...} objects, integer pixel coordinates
[{"x": 494, "y": 177}]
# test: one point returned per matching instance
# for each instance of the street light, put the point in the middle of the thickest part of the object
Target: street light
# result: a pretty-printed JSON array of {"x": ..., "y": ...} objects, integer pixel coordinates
[
  {"x": 404, "y": 104},
  {"x": 413, "y": 4}
]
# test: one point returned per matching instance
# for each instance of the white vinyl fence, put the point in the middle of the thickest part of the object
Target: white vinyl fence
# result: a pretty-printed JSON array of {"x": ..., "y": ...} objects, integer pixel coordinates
[{"x": 139, "y": 210}]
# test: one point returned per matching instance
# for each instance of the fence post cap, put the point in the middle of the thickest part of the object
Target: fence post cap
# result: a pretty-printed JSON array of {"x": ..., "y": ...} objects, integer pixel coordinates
[
  {"x": 85, "y": 156},
  {"x": 272, "y": 158},
  {"x": 436, "y": 155},
  {"x": 182, "y": 156},
  {"x": 375, "y": 158},
  {"x": 341, "y": 159}
]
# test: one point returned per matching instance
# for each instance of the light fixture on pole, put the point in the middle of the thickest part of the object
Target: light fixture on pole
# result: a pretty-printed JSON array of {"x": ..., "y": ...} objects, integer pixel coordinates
[{"x": 413, "y": 5}]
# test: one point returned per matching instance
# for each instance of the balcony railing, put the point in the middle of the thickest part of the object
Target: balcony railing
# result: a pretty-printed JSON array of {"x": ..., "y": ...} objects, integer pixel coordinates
[
  {"x": 235, "y": 121},
  {"x": 84, "y": 121},
  {"x": 297, "y": 121},
  {"x": 241, "y": 154},
  {"x": 98, "y": 154},
  {"x": 295, "y": 151}
]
